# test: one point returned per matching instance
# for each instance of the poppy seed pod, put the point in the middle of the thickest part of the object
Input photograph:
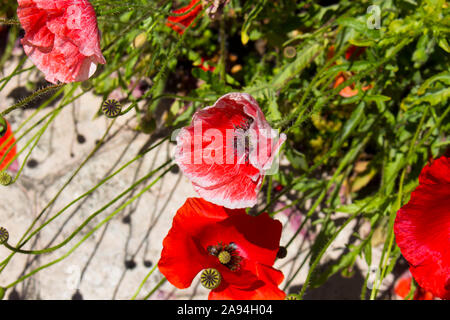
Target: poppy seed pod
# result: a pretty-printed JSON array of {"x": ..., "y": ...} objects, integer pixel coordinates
[
  {"x": 4, "y": 235},
  {"x": 5, "y": 178},
  {"x": 210, "y": 278},
  {"x": 111, "y": 108}
]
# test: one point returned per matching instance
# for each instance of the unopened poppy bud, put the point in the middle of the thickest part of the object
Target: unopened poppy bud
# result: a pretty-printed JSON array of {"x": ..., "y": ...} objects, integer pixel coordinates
[
  {"x": 3, "y": 126},
  {"x": 4, "y": 235},
  {"x": 5, "y": 178},
  {"x": 86, "y": 85},
  {"x": 210, "y": 278},
  {"x": 282, "y": 252},
  {"x": 140, "y": 40},
  {"x": 111, "y": 108},
  {"x": 291, "y": 297}
]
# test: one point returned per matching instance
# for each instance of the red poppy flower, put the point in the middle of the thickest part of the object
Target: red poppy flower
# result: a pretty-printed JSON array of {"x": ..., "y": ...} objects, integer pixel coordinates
[
  {"x": 351, "y": 53},
  {"x": 180, "y": 22},
  {"x": 236, "y": 248},
  {"x": 227, "y": 150},
  {"x": 354, "y": 52},
  {"x": 350, "y": 90},
  {"x": 61, "y": 38},
  {"x": 6, "y": 141},
  {"x": 422, "y": 229},
  {"x": 403, "y": 286},
  {"x": 205, "y": 66}
]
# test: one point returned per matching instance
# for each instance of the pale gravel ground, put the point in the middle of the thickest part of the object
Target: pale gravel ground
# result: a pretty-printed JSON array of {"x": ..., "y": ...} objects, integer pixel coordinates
[{"x": 101, "y": 258}]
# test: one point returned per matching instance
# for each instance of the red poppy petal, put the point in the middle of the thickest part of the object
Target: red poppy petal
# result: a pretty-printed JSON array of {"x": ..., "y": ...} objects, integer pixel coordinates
[
  {"x": 178, "y": 22},
  {"x": 6, "y": 141},
  {"x": 182, "y": 259},
  {"x": 438, "y": 172},
  {"x": 61, "y": 38},
  {"x": 227, "y": 150},
  {"x": 348, "y": 92},
  {"x": 182, "y": 256},
  {"x": 422, "y": 229},
  {"x": 257, "y": 238},
  {"x": 241, "y": 192},
  {"x": 338, "y": 80},
  {"x": 265, "y": 289},
  {"x": 403, "y": 287},
  {"x": 354, "y": 52},
  {"x": 243, "y": 278}
]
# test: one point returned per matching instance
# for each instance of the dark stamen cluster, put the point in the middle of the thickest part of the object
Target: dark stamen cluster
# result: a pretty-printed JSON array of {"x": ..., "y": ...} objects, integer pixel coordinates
[
  {"x": 245, "y": 126},
  {"x": 231, "y": 248}
]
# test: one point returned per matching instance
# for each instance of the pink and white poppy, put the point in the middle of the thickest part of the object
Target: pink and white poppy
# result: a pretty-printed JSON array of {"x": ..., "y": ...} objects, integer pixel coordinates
[
  {"x": 61, "y": 38},
  {"x": 227, "y": 150}
]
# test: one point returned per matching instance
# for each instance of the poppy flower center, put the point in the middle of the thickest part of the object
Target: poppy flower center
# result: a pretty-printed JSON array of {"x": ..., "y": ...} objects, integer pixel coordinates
[
  {"x": 224, "y": 257},
  {"x": 227, "y": 255},
  {"x": 242, "y": 143}
]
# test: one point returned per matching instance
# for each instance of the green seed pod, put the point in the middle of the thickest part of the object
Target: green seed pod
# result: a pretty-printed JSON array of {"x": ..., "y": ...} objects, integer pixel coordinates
[
  {"x": 210, "y": 278},
  {"x": 86, "y": 85},
  {"x": 111, "y": 108},
  {"x": 3, "y": 126},
  {"x": 5, "y": 178},
  {"x": 140, "y": 40},
  {"x": 4, "y": 235}
]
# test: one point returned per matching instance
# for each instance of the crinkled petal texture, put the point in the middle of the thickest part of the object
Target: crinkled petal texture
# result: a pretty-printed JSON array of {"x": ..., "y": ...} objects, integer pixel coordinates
[
  {"x": 422, "y": 229},
  {"x": 61, "y": 38},
  {"x": 8, "y": 149},
  {"x": 184, "y": 16},
  {"x": 227, "y": 150},
  {"x": 199, "y": 224}
]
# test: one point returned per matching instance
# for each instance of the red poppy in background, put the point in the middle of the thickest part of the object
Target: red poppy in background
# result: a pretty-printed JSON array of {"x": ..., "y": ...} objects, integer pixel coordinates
[
  {"x": 205, "y": 66},
  {"x": 6, "y": 141},
  {"x": 422, "y": 229},
  {"x": 403, "y": 286},
  {"x": 61, "y": 38},
  {"x": 239, "y": 247},
  {"x": 350, "y": 90},
  {"x": 227, "y": 150},
  {"x": 352, "y": 53},
  {"x": 180, "y": 22}
]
